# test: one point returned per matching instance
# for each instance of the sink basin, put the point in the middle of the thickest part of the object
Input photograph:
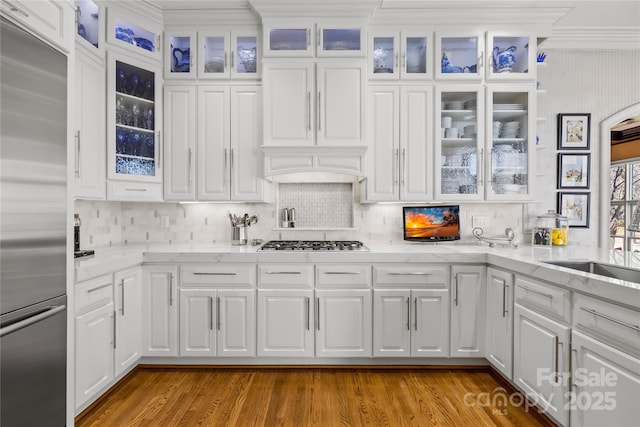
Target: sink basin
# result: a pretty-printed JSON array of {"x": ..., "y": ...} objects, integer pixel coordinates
[{"x": 608, "y": 270}]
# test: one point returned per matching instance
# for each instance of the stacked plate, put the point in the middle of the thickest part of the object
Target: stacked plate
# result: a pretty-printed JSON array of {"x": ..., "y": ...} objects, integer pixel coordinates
[
  {"x": 510, "y": 130},
  {"x": 497, "y": 128},
  {"x": 510, "y": 107}
]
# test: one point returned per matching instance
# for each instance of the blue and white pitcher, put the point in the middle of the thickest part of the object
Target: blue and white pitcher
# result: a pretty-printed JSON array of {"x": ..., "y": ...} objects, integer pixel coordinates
[{"x": 504, "y": 59}]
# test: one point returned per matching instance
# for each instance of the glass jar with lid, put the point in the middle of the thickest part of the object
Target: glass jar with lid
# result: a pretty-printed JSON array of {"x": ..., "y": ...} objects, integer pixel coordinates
[{"x": 551, "y": 228}]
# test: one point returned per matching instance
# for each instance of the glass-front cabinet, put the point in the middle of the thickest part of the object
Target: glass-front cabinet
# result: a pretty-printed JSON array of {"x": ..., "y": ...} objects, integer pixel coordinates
[
  {"x": 511, "y": 135},
  {"x": 460, "y": 56},
  {"x": 404, "y": 55},
  {"x": 335, "y": 39},
  {"x": 288, "y": 40},
  {"x": 89, "y": 25},
  {"x": 133, "y": 117},
  {"x": 179, "y": 47},
  {"x": 511, "y": 57},
  {"x": 340, "y": 41},
  {"x": 134, "y": 33},
  {"x": 459, "y": 142},
  {"x": 229, "y": 54}
]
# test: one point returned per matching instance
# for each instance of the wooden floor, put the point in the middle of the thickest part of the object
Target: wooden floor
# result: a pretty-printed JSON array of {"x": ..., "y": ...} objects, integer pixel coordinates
[{"x": 301, "y": 397}]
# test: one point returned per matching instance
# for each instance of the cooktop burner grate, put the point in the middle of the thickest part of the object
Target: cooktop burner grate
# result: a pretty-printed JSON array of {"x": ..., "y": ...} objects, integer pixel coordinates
[{"x": 313, "y": 245}]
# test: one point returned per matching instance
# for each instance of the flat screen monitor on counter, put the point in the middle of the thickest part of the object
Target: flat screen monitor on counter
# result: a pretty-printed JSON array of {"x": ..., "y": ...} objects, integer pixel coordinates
[{"x": 431, "y": 223}]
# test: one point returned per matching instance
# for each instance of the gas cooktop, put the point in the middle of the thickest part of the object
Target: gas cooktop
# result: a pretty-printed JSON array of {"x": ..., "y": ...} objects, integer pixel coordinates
[{"x": 313, "y": 245}]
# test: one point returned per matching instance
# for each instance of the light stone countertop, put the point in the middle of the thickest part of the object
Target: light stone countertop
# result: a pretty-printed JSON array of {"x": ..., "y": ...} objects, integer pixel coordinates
[{"x": 527, "y": 260}]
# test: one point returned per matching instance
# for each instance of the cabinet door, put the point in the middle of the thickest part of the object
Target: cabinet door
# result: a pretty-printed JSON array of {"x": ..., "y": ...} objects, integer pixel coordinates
[
  {"x": 468, "y": 293},
  {"x": 511, "y": 124},
  {"x": 214, "y": 61},
  {"x": 288, "y": 40},
  {"x": 198, "y": 322},
  {"x": 459, "y": 142},
  {"x": 285, "y": 323},
  {"x": 53, "y": 20},
  {"x": 180, "y": 142},
  {"x": 459, "y": 56},
  {"x": 289, "y": 104},
  {"x": 606, "y": 384},
  {"x": 246, "y": 138},
  {"x": 343, "y": 323},
  {"x": 141, "y": 36},
  {"x": 499, "y": 338},
  {"x": 94, "y": 352},
  {"x": 382, "y": 183},
  {"x": 134, "y": 119},
  {"x": 90, "y": 24},
  {"x": 128, "y": 298},
  {"x": 245, "y": 56},
  {"x": 416, "y": 55},
  {"x": 340, "y": 40},
  {"x": 430, "y": 328},
  {"x": 237, "y": 323},
  {"x": 213, "y": 143},
  {"x": 384, "y": 56},
  {"x": 391, "y": 323},
  {"x": 340, "y": 103},
  {"x": 90, "y": 138},
  {"x": 159, "y": 311},
  {"x": 541, "y": 361},
  {"x": 416, "y": 149},
  {"x": 179, "y": 54},
  {"x": 509, "y": 57}
]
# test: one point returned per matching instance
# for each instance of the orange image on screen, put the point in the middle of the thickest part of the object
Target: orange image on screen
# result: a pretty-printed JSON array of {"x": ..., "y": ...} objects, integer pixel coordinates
[{"x": 427, "y": 223}]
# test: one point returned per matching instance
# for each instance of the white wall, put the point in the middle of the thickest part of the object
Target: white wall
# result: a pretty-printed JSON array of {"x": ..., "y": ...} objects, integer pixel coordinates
[{"x": 600, "y": 82}]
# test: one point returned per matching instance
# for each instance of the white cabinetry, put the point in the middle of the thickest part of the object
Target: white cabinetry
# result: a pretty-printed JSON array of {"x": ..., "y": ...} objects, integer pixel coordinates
[
  {"x": 309, "y": 104},
  {"x": 401, "y": 120},
  {"x": 90, "y": 133},
  {"x": 541, "y": 361},
  {"x": 49, "y": 19},
  {"x": 128, "y": 322},
  {"x": 411, "y": 311},
  {"x": 159, "y": 310},
  {"x": 337, "y": 38},
  {"x": 94, "y": 337},
  {"x": 217, "y": 311},
  {"x": 129, "y": 30},
  {"x": 468, "y": 295},
  {"x": 402, "y": 55},
  {"x": 213, "y": 135},
  {"x": 499, "y": 333}
]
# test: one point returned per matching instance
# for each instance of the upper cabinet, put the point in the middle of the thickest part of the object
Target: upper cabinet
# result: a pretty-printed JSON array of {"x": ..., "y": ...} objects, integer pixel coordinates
[
  {"x": 212, "y": 54},
  {"x": 282, "y": 39},
  {"x": 406, "y": 55},
  {"x": 134, "y": 33},
  {"x": 460, "y": 55},
  {"x": 90, "y": 18},
  {"x": 511, "y": 57}
]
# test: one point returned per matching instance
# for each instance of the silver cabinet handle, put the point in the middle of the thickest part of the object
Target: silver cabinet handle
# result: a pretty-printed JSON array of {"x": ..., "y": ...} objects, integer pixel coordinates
[
  {"x": 231, "y": 158},
  {"x": 189, "y": 154},
  {"x": 456, "y": 294},
  {"x": 404, "y": 60},
  {"x": 318, "y": 312},
  {"x": 307, "y": 300},
  {"x": 211, "y": 313},
  {"x": 218, "y": 312},
  {"x": 32, "y": 320},
  {"x": 557, "y": 357},
  {"x": 308, "y": 110},
  {"x": 225, "y": 60},
  {"x": 318, "y": 35},
  {"x": 504, "y": 300},
  {"x": 479, "y": 165},
  {"x": 170, "y": 289},
  {"x": 396, "y": 56},
  {"x": 97, "y": 288},
  {"x": 122, "y": 297},
  {"x": 415, "y": 313},
  {"x": 202, "y": 273},
  {"x": 481, "y": 59},
  {"x": 342, "y": 272},
  {"x": 408, "y": 315},
  {"x": 77, "y": 162},
  {"x": 159, "y": 146},
  {"x": 114, "y": 330},
  {"x": 319, "y": 111},
  {"x": 308, "y": 37},
  {"x": 403, "y": 170},
  {"x": 232, "y": 59},
  {"x": 528, "y": 289},
  {"x": 396, "y": 164},
  {"x": 612, "y": 319},
  {"x": 136, "y": 189},
  {"x": 411, "y": 273},
  {"x": 283, "y": 272}
]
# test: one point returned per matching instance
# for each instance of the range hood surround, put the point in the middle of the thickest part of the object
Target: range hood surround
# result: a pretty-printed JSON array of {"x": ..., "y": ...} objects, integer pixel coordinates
[{"x": 349, "y": 160}]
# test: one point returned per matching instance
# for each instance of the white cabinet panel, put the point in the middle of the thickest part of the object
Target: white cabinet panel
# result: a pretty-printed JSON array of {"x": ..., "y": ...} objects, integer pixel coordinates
[
  {"x": 214, "y": 133},
  {"x": 467, "y": 311},
  {"x": 499, "y": 333},
  {"x": 430, "y": 323},
  {"x": 159, "y": 321},
  {"x": 237, "y": 323},
  {"x": 128, "y": 300},
  {"x": 391, "y": 322},
  {"x": 416, "y": 146},
  {"x": 180, "y": 142},
  {"x": 198, "y": 322}
]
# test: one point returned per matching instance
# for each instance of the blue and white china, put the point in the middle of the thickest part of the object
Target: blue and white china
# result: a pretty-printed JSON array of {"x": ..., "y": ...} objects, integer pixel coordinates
[
  {"x": 541, "y": 57},
  {"x": 181, "y": 60},
  {"x": 504, "y": 59},
  {"x": 144, "y": 44},
  {"x": 124, "y": 34},
  {"x": 447, "y": 67}
]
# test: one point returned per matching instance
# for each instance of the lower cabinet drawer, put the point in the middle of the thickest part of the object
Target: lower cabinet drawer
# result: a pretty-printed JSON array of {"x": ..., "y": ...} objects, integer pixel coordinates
[
  {"x": 229, "y": 275},
  {"x": 343, "y": 275},
  {"x": 93, "y": 292},
  {"x": 418, "y": 274},
  {"x": 134, "y": 191},
  {"x": 278, "y": 275},
  {"x": 611, "y": 323},
  {"x": 543, "y": 297}
]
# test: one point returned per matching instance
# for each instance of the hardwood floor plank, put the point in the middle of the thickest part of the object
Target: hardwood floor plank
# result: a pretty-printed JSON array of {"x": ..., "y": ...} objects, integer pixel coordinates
[{"x": 307, "y": 397}]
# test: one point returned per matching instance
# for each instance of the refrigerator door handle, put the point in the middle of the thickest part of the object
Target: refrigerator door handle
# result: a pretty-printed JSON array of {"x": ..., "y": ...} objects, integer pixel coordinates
[{"x": 31, "y": 320}]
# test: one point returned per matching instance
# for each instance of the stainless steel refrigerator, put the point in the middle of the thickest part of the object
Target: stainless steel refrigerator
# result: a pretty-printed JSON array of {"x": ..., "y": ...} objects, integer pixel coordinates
[{"x": 33, "y": 230}]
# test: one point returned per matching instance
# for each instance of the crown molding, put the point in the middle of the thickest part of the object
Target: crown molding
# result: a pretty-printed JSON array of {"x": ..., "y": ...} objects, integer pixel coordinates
[
  {"x": 314, "y": 8},
  {"x": 593, "y": 38}
]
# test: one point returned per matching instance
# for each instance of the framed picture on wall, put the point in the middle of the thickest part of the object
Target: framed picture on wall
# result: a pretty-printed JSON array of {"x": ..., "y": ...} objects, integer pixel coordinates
[
  {"x": 575, "y": 206},
  {"x": 573, "y": 170},
  {"x": 573, "y": 131}
]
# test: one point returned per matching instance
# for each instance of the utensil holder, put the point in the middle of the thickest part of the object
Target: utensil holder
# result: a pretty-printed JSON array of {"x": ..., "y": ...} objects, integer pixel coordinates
[{"x": 239, "y": 235}]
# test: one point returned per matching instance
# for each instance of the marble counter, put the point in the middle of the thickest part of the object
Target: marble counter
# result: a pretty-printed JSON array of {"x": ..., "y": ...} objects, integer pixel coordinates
[{"x": 526, "y": 260}]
